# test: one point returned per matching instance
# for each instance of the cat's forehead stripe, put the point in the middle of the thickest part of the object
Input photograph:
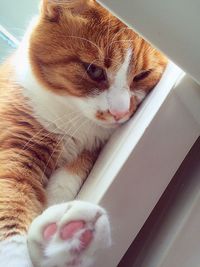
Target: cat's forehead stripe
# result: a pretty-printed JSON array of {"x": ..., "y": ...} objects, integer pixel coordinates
[
  {"x": 121, "y": 75},
  {"x": 127, "y": 60}
]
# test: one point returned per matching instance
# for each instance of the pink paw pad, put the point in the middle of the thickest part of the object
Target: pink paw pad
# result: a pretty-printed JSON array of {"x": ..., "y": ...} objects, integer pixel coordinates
[
  {"x": 68, "y": 231},
  {"x": 49, "y": 231},
  {"x": 71, "y": 228}
]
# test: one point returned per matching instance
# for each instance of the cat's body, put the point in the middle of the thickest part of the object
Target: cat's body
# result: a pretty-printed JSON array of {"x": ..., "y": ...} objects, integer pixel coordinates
[
  {"x": 77, "y": 75},
  {"x": 77, "y": 136}
]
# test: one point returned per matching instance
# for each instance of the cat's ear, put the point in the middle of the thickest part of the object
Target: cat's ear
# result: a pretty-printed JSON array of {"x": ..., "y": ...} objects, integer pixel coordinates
[{"x": 52, "y": 9}]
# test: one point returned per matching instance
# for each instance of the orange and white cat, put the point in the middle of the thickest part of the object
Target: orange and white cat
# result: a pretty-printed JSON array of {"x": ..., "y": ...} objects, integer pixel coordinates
[{"x": 77, "y": 75}]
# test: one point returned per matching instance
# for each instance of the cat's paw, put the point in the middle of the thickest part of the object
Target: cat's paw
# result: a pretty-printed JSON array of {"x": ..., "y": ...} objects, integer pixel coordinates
[{"x": 68, "y": 235}]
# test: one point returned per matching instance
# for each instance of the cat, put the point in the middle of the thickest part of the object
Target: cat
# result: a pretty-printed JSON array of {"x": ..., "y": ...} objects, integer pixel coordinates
[{"x": 78, "y": 74}]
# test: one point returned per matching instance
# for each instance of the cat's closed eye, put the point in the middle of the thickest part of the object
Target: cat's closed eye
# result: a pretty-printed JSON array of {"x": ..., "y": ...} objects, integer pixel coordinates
[
  {"x": 95, "y": 73},
  {"x": 142, "y": 75}
]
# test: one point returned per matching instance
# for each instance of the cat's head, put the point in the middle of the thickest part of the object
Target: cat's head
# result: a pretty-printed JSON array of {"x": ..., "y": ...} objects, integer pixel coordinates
[{"x": 82, "y": 52}]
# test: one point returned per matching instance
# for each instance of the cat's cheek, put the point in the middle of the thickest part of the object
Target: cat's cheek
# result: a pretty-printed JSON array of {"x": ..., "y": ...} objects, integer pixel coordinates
[
  {"x": 133, "y": 105},
  {"x": 139, "y": 95},
  {"x": 136, "y": 98}
]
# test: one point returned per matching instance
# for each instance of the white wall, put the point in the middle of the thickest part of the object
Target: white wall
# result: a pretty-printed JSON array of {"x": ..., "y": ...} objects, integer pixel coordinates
[{"x": 171, "y": 236}]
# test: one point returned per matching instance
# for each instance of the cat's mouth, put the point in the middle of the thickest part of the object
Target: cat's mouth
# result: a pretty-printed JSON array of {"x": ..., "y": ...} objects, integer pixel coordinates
[
  {"x": 108, "y": 125},
  {"x": 105, "y": 119},
  {"x": 114, "y": 120}
]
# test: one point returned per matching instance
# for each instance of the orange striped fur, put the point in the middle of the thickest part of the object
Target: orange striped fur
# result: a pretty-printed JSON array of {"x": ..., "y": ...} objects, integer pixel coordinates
[{"x": 25, "y": 147}]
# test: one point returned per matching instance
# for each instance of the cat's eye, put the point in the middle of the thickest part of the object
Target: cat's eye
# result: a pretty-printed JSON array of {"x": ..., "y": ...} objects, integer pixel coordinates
[
  {"x": 142, "y": 75},
  {"x": 95, "y": 73}
]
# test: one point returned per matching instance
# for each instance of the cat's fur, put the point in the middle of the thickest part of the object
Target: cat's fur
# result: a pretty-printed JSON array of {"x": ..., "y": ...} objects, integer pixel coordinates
[{"x": 54, "y": 120}]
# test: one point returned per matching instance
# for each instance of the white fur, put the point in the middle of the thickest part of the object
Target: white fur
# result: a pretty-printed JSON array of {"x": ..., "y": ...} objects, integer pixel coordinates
[
  {"x": 14, "y": 252},
  {"x": 119, "y": 93},
  {"x": 57, "y": 252},
  {"x": 63, "y": 186}
]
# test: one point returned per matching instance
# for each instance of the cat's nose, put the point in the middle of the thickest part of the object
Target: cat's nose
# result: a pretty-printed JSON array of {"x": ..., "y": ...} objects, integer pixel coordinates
[{"x": 118, "y": 115}]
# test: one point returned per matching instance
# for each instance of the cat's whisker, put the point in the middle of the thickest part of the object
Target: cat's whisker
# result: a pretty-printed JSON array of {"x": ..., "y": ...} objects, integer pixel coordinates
[
  {"x": 59, "y": 142},
  {"x": 71, "y": 136},
  {"x": 117, "y": 62},
  {"x": 47, "y": 135},
  {"x": 123, "y": 41},
  {"x": 66, "y": 133},
  {"x": 63, "y": 122},
  {"x": 117, "y": 34},
  {"x": 84, "y": 39},
  {"x": 26, "y": 147},
  {"x": 60, "y": 153},
  {"x": 108, "y": 33},
  {"x": 43, "y": 107},
  {"x": 85, "y": 73}
]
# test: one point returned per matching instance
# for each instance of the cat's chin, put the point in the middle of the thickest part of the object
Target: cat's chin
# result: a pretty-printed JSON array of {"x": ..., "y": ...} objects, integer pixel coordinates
[
  {"x": 109, "y": 125},
  {"x": 104, "y": 124}
]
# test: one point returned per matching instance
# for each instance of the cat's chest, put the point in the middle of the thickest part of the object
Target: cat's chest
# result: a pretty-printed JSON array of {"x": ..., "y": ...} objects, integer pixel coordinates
[
  {"x": 82, "y": 136},
  {"x": 75, "y": 134},
  {"x": 74, "y": 131}
]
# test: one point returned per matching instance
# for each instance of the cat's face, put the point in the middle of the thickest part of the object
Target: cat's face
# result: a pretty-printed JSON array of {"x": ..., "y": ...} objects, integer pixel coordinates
[{"x": 100, "y": 66}]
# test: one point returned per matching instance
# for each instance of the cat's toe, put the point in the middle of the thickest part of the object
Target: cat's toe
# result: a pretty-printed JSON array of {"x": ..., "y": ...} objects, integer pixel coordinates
[
  {"x": 78, "y": 231},
  {"x": 70, "y": 239},
  {"x": 49, "y": 231}
]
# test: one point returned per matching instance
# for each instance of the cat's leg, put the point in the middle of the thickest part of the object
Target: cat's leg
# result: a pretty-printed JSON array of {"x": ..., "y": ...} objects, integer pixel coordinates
[
  {"x": 19, "y": 205},
  {"x": 68, "y": 234},
  {"x": 66, "y": 182},
  {"x": 22, "y": 190},
  {"x": 63, "y": 186}
]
